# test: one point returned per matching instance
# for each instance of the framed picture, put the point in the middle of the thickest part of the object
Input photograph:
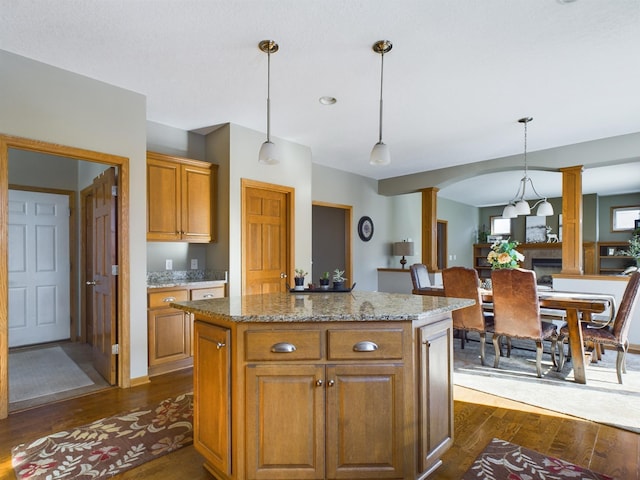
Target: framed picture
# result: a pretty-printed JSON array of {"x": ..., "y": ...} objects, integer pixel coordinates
[
  {"x": 536, "y": 231},
  {"x": 493, "y": 238},
  {"x": 365, "y": 229}
]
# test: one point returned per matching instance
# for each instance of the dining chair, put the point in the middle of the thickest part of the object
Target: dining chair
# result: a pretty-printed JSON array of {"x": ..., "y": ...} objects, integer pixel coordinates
[
  {"x": 419, "y": 277},
  {"x": 614, "y": 334},
  {"x": 516, "y": 311},
  {"x": 462, "y": 282}
]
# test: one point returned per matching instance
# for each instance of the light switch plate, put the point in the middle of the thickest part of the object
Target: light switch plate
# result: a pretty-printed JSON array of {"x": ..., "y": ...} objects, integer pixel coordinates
[
  {"x": 194, "y": 264},
  {"x": 168, "y": 264}
]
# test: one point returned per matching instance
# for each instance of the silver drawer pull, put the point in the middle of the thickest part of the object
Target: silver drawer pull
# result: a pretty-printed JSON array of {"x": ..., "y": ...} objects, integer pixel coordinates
[
  {"x": 169, "y": 299},
  {"x": 283, "y": 348},
  {"x": 208, "y": 295},
  {"x": 365, "y": 347}
]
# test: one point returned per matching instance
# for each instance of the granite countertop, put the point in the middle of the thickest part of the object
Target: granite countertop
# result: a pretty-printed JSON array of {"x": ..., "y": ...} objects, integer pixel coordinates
[
  {"x": 187, "y": 279},
  {"x": 186, "y": 283},
  {"x": 318, "y": 307}
]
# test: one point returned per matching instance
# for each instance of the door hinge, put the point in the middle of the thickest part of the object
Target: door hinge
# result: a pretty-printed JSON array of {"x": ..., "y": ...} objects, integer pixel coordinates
[
  {"x": 114, "y": 190},
  {"x": 114, "y": 270},
  {"x": 115, "y": 349}
]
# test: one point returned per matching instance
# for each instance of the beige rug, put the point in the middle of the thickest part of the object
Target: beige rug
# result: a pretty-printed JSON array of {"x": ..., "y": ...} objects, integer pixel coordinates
[
  {"x": 45, "y": 371},
  {"x": 601, "y": 400}
]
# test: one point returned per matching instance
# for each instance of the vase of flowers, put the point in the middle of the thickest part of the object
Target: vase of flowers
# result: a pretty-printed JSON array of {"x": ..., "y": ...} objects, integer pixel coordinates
[
  {"x": 299, "y": 279},
  {"x": 503, "y": 254}
]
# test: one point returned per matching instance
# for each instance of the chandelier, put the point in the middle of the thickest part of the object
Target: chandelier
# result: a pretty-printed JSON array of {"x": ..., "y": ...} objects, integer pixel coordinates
[{"x": 518, "y": 205}]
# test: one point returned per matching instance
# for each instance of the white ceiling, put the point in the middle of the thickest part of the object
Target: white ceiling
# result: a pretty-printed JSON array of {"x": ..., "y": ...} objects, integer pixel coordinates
[{"x": 459, "y": 76}]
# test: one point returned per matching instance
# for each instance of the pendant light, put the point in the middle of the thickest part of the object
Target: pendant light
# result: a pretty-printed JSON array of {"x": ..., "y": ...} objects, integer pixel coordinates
[
  {"x": 380, "y": 154},
  {"x": 268, "y": 153},
  {"x": 518, "y": 205}
]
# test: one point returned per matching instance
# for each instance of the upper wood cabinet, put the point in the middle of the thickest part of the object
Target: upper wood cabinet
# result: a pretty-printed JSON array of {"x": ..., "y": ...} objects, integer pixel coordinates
[{"x": 180, "y": 199}]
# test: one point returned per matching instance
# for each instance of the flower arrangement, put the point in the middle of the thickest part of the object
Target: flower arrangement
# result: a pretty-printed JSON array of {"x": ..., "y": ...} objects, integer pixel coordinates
[{"x": 503, "y": 254}]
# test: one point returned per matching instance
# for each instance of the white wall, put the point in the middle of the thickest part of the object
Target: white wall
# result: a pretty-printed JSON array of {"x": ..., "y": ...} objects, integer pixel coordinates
[{"x": 42, "y": 102}]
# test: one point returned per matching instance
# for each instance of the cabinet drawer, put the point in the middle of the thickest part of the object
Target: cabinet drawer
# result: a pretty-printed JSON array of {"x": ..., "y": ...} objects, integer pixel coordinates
[
  {"x": 210, "y": 292},
  {"x": 283, "y": 345},
  {"x": 364, "y": 344},
  {"x": 163, "y": 299}
]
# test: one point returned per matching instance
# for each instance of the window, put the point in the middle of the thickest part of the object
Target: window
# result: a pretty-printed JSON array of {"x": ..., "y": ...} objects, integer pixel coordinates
[
  {"x": 624, "y": 218},
  {"x": 500, "y": 226}
]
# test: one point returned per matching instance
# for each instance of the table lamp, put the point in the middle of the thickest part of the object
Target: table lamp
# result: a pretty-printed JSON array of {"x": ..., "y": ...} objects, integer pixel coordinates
[{"x": 402, "y": 249}]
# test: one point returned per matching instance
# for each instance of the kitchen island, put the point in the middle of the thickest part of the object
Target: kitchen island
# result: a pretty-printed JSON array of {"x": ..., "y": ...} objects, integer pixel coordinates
[{"x": 323, "y": 385}]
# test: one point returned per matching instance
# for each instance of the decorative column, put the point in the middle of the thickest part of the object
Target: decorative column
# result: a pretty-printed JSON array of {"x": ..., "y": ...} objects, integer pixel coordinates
[
  {"x": 572, "y": 254},
  {"x": 430, "y": 228}
]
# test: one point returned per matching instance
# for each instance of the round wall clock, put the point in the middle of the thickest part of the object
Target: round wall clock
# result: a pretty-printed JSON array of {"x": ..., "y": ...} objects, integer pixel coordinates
[{"x": 365, "y": 229}]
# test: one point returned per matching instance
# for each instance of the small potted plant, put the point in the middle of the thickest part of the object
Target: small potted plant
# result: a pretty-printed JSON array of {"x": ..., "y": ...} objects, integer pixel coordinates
[
  {"x": 324, "y": 281},
  {"x": 338, "y": 279},
  {"x": 299, "y": 278}
]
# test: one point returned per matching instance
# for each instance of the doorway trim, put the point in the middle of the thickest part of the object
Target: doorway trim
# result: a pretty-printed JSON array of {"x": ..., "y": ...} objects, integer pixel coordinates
[
  {"x": 123, "y": 302},
  {"x": 348, "y": 240}
]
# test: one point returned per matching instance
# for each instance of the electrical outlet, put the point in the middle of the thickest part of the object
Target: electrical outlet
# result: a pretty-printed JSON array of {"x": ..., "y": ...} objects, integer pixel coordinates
[
  {"x": 168, "y": 264},
  {"x": 194, "y": 264}
]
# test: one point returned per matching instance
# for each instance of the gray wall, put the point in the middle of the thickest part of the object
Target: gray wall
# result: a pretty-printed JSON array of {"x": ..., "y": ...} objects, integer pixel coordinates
[{"x": 42, "y": 102}]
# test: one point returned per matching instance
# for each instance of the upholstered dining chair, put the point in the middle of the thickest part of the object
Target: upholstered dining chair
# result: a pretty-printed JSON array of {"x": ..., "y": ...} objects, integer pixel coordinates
[
  {"x": 462, "y": 282},
  {"x": 615, "y": 334},
  {"x": 516, "y": 312},
  {"x": 419, "y": 277}
]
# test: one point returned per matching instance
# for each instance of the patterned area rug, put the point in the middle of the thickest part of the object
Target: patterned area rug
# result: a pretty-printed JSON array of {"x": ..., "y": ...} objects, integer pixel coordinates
[
  {"x": 502, "y": 460},
  {"x": 108, "y": 446}
]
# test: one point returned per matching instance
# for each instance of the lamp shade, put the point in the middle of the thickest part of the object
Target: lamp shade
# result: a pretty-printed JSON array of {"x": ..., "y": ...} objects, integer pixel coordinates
[
  {"x": 401, "y": 249},
  {"x": 268, "y": 154},
  {"x": 509, "y": 212},
  {"x": 544, "y": 209},
  {"x": 380, "y": 154},
  {"x": 522, "y": 207}
]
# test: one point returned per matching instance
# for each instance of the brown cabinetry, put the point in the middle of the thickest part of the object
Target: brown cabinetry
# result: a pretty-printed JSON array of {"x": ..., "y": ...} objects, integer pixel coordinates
[
  {"x": 170, "y": 331},
  {"x": 180, "y": 199},
  {"x": 612, "y": 258},
  {"x": 322, "y": 400}
]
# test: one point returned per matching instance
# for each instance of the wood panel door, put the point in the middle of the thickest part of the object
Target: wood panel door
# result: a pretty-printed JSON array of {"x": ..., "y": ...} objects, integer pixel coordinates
[
  {"x": 365, "y": 421},
  {"x": 104, "y": 277},
  {"x": 266, "y": 244},
  {"x": 285, "y": 422}
]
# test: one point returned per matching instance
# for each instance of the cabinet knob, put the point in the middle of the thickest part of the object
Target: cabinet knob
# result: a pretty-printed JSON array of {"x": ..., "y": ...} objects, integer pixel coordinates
[
  {"x": 365, "y": 346},
  {"x": 331, "y": 383},
  {"x": 319, "y": 383},
  {"x": 208, "y": 295},
  {"x": 283, "y": 347},
  {"x": 220, "y": 345},
  {"x": 169, "y": 299}
]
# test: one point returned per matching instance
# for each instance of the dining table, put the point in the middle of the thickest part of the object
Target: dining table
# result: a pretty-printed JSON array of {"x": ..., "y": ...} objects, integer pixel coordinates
[{"x": 577, "y": 307}]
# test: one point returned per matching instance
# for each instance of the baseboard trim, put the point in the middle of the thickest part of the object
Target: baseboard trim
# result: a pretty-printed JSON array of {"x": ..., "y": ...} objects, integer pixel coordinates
[{"x": 140, "y": 381}]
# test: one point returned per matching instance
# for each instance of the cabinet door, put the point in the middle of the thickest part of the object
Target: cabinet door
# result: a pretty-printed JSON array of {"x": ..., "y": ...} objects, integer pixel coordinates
[
  {"x": 163, "y": 200},
  {"x": 212, "y": 396},
  {"x": 435, "y": 394},
  {"x": 169, "y": 335},
  {"x": 285, "y": 422},
  {"x": 196, "y": 204},
  {"x": 365, "y": 422}
]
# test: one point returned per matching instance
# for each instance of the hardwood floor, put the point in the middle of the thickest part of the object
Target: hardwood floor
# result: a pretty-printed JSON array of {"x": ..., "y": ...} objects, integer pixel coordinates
[{"x": 478, "y": 419}]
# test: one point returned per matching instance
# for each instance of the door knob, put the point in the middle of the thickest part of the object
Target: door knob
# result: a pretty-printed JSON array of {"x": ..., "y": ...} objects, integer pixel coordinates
[{"x": 283, "y": 275}]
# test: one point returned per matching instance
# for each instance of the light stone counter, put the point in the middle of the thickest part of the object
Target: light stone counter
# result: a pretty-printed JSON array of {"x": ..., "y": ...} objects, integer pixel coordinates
[{"x": 324, "y": 307}]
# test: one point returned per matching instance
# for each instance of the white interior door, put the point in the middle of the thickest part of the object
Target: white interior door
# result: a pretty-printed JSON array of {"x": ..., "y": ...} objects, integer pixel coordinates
[{"x": 39, "y": 278}]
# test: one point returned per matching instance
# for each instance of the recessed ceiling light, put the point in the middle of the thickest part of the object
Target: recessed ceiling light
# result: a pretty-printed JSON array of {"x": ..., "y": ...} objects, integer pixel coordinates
[{"x": 326, "y": 100}]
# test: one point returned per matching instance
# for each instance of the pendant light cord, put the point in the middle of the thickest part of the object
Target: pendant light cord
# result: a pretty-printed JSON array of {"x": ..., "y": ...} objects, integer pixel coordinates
[
  {"x": 269, "y": 94},
  {"x": 381, "y": 79}
]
